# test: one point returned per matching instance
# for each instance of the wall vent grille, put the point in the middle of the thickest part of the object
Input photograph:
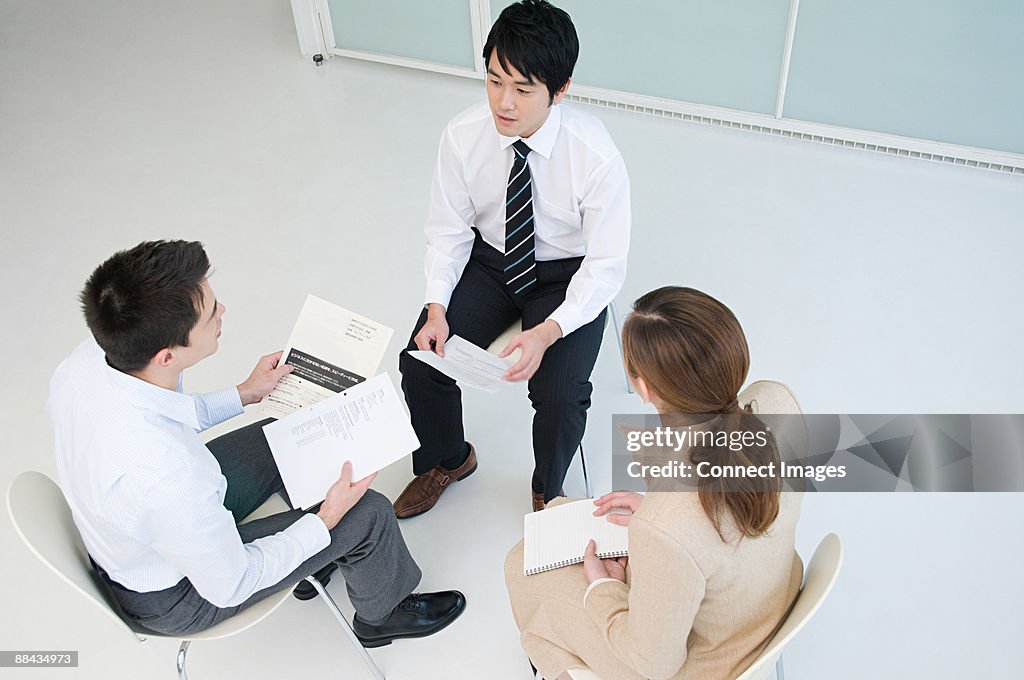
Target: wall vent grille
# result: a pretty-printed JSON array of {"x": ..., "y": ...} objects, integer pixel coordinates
[{"x": 892, "y": 150}]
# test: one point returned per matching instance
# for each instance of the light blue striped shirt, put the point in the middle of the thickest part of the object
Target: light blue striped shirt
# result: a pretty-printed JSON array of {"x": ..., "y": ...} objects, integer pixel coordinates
[{"x": 147, "y": 495}]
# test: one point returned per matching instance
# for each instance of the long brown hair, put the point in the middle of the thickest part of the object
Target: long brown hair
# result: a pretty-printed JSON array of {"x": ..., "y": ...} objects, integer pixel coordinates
[{"x": 691, "y": 352}]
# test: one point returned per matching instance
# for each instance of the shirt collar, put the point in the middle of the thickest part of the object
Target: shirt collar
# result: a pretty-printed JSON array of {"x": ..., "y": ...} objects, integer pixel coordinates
[
  {"x": 543, "y": 140},
  {"x": 170, "y": 404}
]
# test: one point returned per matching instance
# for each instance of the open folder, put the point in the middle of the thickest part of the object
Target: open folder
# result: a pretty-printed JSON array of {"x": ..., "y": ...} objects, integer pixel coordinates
[
  {"x": 364, "y": 424},
  {"x": 558, "y": 536}
]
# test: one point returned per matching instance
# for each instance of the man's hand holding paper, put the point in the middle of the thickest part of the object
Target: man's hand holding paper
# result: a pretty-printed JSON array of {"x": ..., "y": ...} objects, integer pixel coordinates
[
  {"x": 435, "y": 331},
  {"x": 331, "y": 349},
  {"x": 342, "y": 495},
  {"x": 533, "y": 344},
  {"x": 264, "y": 378},
  {"x": 467, "y": 364},
  {"x": 364, "y": 425}
]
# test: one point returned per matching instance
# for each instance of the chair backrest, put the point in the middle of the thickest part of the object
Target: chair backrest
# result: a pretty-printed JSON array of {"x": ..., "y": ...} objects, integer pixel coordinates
[
  {"x": 819, "y": 578},
  {"x": 43, "y": 520}
]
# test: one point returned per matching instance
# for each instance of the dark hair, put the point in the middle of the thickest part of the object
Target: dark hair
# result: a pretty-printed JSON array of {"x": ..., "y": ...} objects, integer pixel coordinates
[
  {"x": 146, "y": 299},
  {"x": 690, "y": 350},
  {"x": 538, "y": 40}
]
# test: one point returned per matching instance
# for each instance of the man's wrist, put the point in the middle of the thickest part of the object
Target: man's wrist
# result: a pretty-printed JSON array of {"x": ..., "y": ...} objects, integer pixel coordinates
[
  {"x": 246, "y": 395},
  {"x": 435, "y": 310},
  {"x": 552, "y": 331},
  {"x": 328, "y": 518}
]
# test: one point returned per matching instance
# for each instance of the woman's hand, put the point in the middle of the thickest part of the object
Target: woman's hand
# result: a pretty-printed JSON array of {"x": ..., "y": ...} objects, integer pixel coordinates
[
  {"x": 594, "y": 567},
  {"x": 625, "y": 500}
]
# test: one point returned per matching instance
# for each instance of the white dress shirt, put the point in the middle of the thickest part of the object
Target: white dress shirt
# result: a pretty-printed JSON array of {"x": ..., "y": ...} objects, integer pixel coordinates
[
  {"x": 580, "y": 204},
  {"x": 147, "y": 495}
]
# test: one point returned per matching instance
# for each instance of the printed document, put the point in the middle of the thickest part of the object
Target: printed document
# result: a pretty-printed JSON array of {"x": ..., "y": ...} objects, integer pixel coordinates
[
  {"x": 332, "y": 349},
  {"x": 468, "y": 364},
  {"x": 364, "y": 424}
]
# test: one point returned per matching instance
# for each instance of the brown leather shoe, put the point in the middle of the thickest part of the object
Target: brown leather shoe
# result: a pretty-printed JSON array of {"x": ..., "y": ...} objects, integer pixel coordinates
[
  {"x": 538, "y": 499},
  {"x": 425, "y": 490}
]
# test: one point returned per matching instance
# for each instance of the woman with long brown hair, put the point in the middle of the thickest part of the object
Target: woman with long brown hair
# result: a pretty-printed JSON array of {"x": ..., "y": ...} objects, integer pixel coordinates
[{"x": 712, "y": 568}]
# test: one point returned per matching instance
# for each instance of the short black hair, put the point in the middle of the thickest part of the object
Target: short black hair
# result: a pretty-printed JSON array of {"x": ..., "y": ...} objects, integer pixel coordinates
[
  {"x": 538, "y": 39},
  {"x": 146, "y": 299}
]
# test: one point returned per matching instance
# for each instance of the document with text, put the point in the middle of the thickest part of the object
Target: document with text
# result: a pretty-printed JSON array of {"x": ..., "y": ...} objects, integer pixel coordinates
[
  {"x": 331, "y": 349},
  {"x": 467, "y": 364},
  {"x": 364, "y": 424}
]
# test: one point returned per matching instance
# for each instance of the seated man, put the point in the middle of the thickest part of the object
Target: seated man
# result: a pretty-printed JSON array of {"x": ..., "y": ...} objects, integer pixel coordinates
[
  {"x": 157, "y": 509},
  {"x": 529, "y": 220}
]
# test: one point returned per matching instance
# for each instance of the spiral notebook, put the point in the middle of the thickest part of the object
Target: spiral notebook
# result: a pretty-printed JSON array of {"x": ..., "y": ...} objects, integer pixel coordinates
[{"x": 558, "y": 536}]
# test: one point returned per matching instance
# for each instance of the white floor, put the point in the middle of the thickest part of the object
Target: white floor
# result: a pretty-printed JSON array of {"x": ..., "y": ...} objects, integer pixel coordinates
[{"x": 868, "y": 283}]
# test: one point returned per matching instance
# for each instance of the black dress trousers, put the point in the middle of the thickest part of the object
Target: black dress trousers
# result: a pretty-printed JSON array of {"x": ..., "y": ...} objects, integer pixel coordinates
[{"x": 482, "y": 307}]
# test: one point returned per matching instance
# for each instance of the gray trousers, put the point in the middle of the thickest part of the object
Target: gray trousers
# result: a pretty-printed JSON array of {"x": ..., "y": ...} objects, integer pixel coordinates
[{"x": 366, "y": 544}]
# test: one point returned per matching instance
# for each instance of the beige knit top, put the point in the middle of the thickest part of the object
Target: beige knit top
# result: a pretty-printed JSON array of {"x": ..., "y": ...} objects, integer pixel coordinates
[{"x": 730, "y": 595}]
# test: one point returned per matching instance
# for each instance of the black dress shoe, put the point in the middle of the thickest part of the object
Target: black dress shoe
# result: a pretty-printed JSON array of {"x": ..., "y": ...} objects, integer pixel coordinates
[
  {"x": 416, "y": 616},
  {"x": 304, "y": 590}
]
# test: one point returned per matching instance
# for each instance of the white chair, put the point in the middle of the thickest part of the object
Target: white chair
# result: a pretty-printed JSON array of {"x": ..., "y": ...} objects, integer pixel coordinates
[
  {"x": 515, "y": 329},
  {"x": 818, "y": 581},
  {"x": 42, "y": 519},
  {"x": 819, "y": 578}
]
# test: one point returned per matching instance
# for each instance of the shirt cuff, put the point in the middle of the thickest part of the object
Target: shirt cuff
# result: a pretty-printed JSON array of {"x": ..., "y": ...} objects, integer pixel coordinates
[
  {"x": 597, "y": 583},
  {"x": 311, "y": 533},
  {"x": 216, "y": 407},
  {"x": 567, "y": 319},
  {"x": 439, "y": 292}
]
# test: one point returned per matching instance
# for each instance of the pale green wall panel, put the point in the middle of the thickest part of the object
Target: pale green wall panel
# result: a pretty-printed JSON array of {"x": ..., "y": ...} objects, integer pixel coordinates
[
  {"x": 946, "y": 70},
  {"x": 718, "y": 52},
  {"x": 436, "y": 30}
]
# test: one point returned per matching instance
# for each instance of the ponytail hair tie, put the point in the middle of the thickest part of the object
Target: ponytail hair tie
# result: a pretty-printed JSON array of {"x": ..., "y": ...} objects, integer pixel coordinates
[{"x": 733, "y": 406}]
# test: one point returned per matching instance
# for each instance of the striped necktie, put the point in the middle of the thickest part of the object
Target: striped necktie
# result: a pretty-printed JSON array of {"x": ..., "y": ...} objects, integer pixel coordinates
[{"x": 519, "y": 261}]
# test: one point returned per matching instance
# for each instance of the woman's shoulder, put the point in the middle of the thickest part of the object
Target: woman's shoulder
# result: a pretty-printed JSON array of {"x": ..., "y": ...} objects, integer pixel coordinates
[
  {"x": 676, "y": 523},
  {"x": 769, "y": 396},
  {"x": 676, "y": 516},
  {"x": 778, "y": 407}
]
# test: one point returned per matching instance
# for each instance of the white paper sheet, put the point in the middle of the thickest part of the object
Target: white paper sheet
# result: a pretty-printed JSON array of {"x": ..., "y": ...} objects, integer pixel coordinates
[
  {"x": 468, "y": 364},
  {"x": 365, "y": 424},
  {"x": 331, "y": 349}
]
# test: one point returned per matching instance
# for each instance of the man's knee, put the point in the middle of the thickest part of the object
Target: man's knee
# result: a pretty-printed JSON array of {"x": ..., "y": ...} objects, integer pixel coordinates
[
  {"x": 406, "y": 364},
  {"x": 560, "y": 397},
  {"x": 373, "y": 509},
  {"x": 375, "y": 503}
]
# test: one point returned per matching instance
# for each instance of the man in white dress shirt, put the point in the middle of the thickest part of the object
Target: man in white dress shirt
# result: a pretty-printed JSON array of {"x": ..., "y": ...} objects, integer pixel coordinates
[
  {"x": 529, "y": 219},
  {"x": 157, "y": 509}
]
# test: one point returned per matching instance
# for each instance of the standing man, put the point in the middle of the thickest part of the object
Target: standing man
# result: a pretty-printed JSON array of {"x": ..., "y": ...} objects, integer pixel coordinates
[
  {"x": 157, "y": 509},
  {"x": 529, "y": 219}
]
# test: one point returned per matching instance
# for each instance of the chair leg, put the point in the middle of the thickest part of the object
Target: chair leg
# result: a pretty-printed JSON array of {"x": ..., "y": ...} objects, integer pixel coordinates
[
  {"x": 182, "y": 652},
  {"x": 332, "y": 605},
  {"x": 617, "y": 326},
  {"x": 586, "y": 477},
  {"x": 780, "y": 673}
]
